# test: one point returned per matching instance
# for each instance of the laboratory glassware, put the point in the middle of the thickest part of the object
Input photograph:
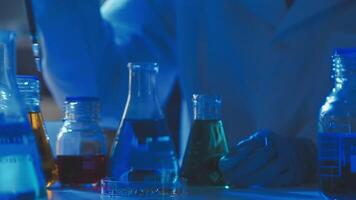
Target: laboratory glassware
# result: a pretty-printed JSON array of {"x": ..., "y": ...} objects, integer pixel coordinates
[
  {"x": 81, "y": 146},
  {"x": 21, "y": 175},
  {"x": 337, "y": 130},
  {"x": 29, "y": 87},
  {"x": 143, "y": 153},
  {"x": 36, "y": 46},
  {"x": 206, "y": 144}
]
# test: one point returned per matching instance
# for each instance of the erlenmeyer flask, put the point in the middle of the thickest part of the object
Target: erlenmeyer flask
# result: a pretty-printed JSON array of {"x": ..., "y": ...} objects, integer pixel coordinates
[
  {"x": 21, "y": 175},
  {"x": 143, "y": 150},
  {"x": 206, "y": 144}
]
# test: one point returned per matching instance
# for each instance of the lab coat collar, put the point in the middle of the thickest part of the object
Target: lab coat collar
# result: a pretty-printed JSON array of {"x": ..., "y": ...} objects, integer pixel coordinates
[{"x": 302, "y": 10}]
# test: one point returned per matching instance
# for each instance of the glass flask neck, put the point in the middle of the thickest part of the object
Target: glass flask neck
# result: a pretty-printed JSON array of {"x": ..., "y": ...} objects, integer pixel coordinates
[
  {"x": 8, "y": 61},
  {"x": 142, "y": 82},
  {"x": 206, "y": 107},
  {"x": 142, "y": 100},
  {"x": 82, "y": 110},
  {"x": 344, "y": 67},
  {"x": 10, "y": 107},
  {"x": 29, "y": 87}
]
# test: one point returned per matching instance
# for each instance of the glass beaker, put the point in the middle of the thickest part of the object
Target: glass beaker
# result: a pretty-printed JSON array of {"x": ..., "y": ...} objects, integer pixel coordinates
[
  {"x": 143, "y": 151},
  {"x": 21, "y": 175},
  {"x": 29, "y": 87},
  {"x": 81, "y": 147},
  {"x": 206, "y": 144},
  {"x": 337, "y": 130}
]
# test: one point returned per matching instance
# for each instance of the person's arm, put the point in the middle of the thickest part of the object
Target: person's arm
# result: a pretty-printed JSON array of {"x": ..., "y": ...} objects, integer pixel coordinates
[
  {"x": 78, "y": 45},
  {"x": 78, "y": 48},
  {"x": 86, "y": 54}
]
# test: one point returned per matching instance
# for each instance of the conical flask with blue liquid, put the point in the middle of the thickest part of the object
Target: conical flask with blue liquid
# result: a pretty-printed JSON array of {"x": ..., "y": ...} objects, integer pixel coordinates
[
  {"x": 143, "y": 151},
  {"x": 21, "y": 175}
]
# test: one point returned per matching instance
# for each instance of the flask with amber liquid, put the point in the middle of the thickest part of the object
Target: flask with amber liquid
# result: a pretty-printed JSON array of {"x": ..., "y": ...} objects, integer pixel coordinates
[{"x": 29, "y": 87}]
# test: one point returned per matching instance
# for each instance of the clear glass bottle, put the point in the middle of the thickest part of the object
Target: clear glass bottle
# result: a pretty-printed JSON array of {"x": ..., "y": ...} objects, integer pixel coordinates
[
  {"x": 21, "y": 175},
  {"x": 29, "y": 87},
  {"x": 206, "y": 144},
  {"x": 81, "y": 147},
  {"x": 337, "y": 130},
  {"x": 143, "y": 149}
]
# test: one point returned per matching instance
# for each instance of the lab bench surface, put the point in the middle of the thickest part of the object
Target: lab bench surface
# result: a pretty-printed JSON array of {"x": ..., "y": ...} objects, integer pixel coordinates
[
  {"x": 302, "y": 193},
  {"x": 207, "y": 194}
]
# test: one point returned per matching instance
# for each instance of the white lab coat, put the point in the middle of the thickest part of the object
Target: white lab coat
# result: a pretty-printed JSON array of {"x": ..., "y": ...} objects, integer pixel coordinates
[{"x": 270, "y": 64}]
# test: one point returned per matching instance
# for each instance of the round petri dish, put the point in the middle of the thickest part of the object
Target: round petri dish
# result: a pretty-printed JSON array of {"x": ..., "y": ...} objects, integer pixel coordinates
[{"x": 113, "y": 189}]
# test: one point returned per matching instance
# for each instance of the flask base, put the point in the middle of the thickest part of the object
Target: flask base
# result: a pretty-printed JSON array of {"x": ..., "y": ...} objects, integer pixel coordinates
[{"x": 111, "y": 187}]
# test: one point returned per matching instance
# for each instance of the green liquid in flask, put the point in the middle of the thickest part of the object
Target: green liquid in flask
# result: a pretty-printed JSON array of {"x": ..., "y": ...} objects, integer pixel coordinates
[{"x": 206, "y": 145}]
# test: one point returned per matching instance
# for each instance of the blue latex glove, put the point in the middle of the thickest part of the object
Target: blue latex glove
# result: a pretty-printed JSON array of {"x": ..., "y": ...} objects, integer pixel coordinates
[{"x": 267, "y": 159}]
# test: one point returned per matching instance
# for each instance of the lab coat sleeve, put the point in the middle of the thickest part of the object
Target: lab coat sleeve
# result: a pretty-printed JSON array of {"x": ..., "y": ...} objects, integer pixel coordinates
[
  {"x": 78, "y": 48},
  {"x": 86, "y": 51},
  {"x": 144, "y": 28}
]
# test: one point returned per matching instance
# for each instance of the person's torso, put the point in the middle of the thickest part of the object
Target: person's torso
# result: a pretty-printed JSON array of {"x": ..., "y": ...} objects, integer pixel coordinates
[
  {"x": 271, "y": 65},
  {"x": 271, "y": 73}
]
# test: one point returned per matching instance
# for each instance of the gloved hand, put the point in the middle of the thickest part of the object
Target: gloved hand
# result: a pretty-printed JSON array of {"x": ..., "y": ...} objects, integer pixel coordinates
[{"x": 267, "y": 159}]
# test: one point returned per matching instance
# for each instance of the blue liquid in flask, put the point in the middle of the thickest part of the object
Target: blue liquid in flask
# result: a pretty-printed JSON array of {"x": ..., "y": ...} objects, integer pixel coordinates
[
  {"x": 144, "y": 151},
  {"x": 20, "y": 175},
  {"x": 143, "y": 161}
]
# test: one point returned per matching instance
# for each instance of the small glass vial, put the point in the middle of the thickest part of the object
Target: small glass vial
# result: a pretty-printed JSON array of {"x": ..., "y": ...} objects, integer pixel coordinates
[
  {"x": 337, "y": 130},
  {"x": 81, "y": 147},
  {"x": 206, "y": 145},
  {"x": 29, "y": 87}
]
